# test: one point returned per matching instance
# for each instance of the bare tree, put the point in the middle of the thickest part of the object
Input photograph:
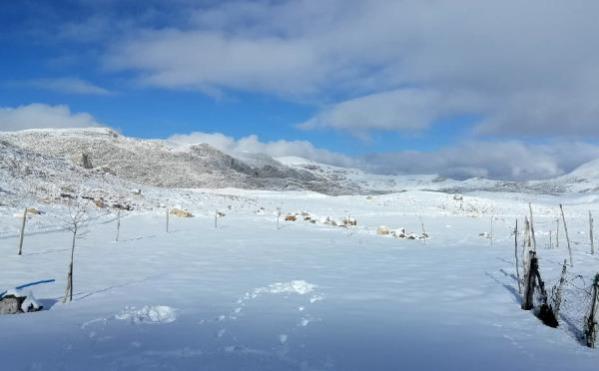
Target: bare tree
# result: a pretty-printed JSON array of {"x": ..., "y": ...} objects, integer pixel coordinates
[{"x": 76, "y": 220}]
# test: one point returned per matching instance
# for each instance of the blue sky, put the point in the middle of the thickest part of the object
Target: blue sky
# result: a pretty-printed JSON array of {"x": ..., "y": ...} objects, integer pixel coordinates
[{"x": 459, "y": 88}]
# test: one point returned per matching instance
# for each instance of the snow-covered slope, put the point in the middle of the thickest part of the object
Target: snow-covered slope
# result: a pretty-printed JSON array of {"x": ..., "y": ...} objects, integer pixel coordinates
[
  {"x": 44, "y": 164},
  {"x": 50, "y": 161},
  {"x": 584, "y": 179}
]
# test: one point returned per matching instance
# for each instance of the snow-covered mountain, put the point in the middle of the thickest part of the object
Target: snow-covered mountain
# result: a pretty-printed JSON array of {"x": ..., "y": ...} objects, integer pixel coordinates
[
  {"x": 46, "y": 163},
  {"x": 50, "y": 164}
]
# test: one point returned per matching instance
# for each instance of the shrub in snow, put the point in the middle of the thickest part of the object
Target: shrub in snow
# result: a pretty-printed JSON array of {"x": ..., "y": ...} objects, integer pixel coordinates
[
  {"x": 350, "y": 222},
  {"x": 148, "y": 314},
  {"x": 383, "y": 231},
  {"x": 181, "y": 213}
]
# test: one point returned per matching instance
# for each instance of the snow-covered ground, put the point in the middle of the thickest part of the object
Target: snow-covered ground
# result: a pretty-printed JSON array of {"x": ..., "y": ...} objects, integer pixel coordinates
[{"x": 305, "y": 296}]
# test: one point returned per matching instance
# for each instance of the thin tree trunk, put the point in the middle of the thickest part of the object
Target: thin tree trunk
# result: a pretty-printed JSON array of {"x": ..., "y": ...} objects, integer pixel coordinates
[
  {"x": 215, "y": 219},
  {"x": 567, "y": 236},
  {"x": 591, "y": 233},
  {"x": 22, "y": 236},
  {"x": 69, "y": 290},
  {"x": 516, "y": 256}
]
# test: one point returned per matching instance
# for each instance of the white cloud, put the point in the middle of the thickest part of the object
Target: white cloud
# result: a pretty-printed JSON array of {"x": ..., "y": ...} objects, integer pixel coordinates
[
  {"x": 252, "y": 144},
  {"x": 525, "y": 68},
  {"x": 67, "y": 85},
  {"x": 514, "y": 160},
  {"x": 43, "y": 116},
  {"x": 404, "y": 109}
]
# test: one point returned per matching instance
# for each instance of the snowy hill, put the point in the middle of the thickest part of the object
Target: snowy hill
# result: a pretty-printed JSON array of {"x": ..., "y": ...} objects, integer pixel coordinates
[
  {"x": 48, "y": 162},
  {"x": 584, "y": 179}
]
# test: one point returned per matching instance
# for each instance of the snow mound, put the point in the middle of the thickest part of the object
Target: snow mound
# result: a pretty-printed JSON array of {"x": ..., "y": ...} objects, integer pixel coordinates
[
  {"x": 299, "y": 287},
  {"x": 29, "y": 305},
  {"x": 148, "y": 314}
]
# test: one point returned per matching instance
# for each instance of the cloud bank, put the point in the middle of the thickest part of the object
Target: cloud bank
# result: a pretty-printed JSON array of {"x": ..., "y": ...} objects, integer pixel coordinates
[
  {"x": 511, "y": 160},
  {"x": 43, "y": 116},
  {"x": 526, "y": 69}
]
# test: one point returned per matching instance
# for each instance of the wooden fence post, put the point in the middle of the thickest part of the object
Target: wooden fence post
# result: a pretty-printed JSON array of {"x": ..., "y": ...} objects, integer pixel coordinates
[
  {"x": 530, "y": 282},
  {"x": 118, "y": 225},
  {"x": 567, "y": 236},
  {"x": 591, "y": 233},
  {"x": 491, "y": 232},
  {"x": 516, "y": 256},
  {"x": 421, "y": 226},
  {"x": 278, "y": 217},
  {"x": 526, "y": 248},
  {"x": 590, "y": 330},
  {"x": 22, "y": 232},
  {"x": 557, "y": 295},
  {"x": 557, "y": 233},
  {"x": 532, "y": 229},
  {"x": 167, "y": 219}
]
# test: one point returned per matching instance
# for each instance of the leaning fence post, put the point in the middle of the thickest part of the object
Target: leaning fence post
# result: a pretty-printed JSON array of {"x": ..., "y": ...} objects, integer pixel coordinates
[
  {"x": 590, "y": 331},
  {"x": 530, "y": 281},
  {"x": 516, "y": 256},
  {"x": 22, "y": 232},
  {"x": 567, "y": 236},
  {"x": 557, "y": 297}
]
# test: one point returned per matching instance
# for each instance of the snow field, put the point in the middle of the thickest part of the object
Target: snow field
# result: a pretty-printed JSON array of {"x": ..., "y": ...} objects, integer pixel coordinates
[{"x": 304, "y": 297}]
